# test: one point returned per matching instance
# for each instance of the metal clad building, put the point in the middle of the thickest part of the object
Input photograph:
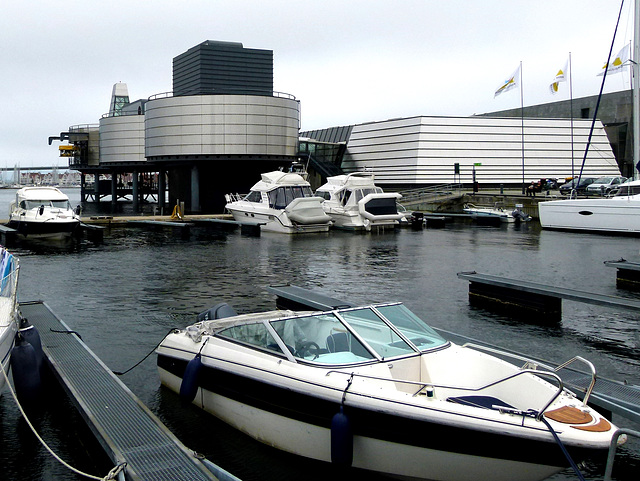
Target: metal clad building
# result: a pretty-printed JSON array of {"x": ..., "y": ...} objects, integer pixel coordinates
[{"x": 223, "y": 67}]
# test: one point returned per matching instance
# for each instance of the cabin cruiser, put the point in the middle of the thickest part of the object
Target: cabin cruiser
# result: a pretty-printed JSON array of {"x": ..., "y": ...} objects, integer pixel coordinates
[
  {"x": 353, "y": 201},
  {"x": 376, "y": 388},
  {"x": 617, "y": 213},
  {"x": 42, "y": 212},
  {"x": 280, "y": 202},
  {"x": 8, "y": 309}
]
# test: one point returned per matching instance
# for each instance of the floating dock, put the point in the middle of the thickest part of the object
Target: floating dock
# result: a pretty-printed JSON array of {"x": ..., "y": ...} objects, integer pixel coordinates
[
  {"x": 628, "y": 274},
  {"x": 127, "y": 430},
  {"x": 610, "y": 395},
  {"x": 532, "y": 300}
]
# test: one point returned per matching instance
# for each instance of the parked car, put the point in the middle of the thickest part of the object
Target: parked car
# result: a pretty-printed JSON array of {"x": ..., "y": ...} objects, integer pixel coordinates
[
  {"x": 604, "y": 185},
  {"x": 581, "y": 188}
]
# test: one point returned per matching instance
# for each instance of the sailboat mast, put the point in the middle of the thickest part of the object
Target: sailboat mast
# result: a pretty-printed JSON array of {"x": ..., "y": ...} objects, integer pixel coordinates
[{"x": 636, "y": 85}]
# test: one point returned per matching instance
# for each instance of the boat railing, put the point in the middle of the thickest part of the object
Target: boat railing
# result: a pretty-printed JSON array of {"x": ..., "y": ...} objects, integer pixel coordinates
[
  {"x": 233, "y": 197},
  {"x": 612, "y": 449},
  {"x": 425, "y": 385},
  {"x": 530, "y": 364}
]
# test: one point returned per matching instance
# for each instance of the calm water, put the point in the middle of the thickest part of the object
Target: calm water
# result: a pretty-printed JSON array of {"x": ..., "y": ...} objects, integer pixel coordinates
[{"x": 124, "y": 295}]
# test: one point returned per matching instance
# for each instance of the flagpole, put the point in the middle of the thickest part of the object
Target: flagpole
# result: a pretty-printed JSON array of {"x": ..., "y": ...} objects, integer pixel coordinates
[
  {"x": 636, "y": 95},
  {"x": 571, "y": 108},
  {"x": 522, "y": 126}
]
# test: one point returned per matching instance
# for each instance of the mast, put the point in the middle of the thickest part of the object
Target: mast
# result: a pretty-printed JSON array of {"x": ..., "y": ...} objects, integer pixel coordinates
[{"x": 636, "y": 85}]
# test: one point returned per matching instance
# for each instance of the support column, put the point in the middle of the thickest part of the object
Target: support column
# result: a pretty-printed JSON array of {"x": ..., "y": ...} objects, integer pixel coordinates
[
  {"x": 114, "y": 189},
  {"x": 83, "y": 185},
  {"x": 134, "y": 192},
  {"x": 161, "y": 188},
  {"x": 195, "y": 189}
]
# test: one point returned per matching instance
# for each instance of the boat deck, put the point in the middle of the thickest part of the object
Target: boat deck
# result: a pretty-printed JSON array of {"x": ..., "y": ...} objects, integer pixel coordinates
[
  {"x": 128, "y": 431},
  {"x": 610, "y": 395}
]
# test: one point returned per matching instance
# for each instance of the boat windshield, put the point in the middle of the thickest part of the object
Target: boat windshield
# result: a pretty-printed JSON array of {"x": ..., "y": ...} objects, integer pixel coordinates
[
  {"x": 356, "y": 335},
  {"x": 626, "y": 189},
  {"x": 35, "y": 204},
  {"x": 282, "y": 196}
]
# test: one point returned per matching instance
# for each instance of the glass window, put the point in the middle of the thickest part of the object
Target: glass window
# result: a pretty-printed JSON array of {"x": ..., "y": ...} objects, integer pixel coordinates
[
  {"x": 252, "y": 334},
  {"x": 321, "y": 338},
  {"x": 376, "y": 333},
  {"x": 253, "y": 196},
  {"x": 61, "y": 204},
  {"x": 412, "y": 327}
]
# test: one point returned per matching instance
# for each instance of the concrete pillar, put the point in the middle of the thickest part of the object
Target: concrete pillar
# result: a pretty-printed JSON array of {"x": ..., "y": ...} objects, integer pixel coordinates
[
  {"x": 134, "y": 193},
  {"x": 161, "y": 188},
  {"x": 114, "y": 188},
  {"x": 195, "y": 189}
]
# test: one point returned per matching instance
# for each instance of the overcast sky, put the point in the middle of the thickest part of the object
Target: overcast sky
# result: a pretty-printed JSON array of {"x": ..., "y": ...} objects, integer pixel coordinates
[{"x": 348, "y": 61}]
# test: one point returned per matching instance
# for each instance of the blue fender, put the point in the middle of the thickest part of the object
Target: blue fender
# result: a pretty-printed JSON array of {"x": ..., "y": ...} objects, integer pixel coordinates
[
  {"x": 341, "y": 439},
  {"x": 26, "y": 372},
  {"x": 32, "y": 336},
  {"x": 189, "y": 385}
]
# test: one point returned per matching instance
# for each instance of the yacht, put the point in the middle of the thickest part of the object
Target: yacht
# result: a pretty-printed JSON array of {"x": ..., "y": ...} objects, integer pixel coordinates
[
  {"x": 354, "y": 202},
  {"x": 42, "y": 212},
  {"x": 280, "y": 202},
  {"x": 617, "y": 213}
]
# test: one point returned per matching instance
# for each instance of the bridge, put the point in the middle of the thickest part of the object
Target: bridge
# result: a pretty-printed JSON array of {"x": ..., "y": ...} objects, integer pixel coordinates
[{"x": 47, "y": 167}]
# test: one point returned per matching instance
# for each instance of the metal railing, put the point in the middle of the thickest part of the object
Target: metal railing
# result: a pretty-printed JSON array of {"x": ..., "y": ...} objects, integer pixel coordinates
[{"x": 430, "y": 193}]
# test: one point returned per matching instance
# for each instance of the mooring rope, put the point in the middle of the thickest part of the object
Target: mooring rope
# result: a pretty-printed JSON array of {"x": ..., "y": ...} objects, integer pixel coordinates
[
  {"x": 111, "y": 475},
  {"x": 564, "y": 449},
  {"x": 120, "y": 373}
]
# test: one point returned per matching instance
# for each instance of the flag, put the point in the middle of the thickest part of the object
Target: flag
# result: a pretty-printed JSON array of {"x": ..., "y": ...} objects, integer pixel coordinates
[
  {"x": 621, "y": 61},
  {"x": 511, "y": 83},
  {"x": 561, "y": 76}
]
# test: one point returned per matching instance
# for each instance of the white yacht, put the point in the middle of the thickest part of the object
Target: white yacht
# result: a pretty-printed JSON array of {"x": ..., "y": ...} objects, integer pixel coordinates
[
  {"x": 8, "y": 309},
  {"x": 376, "y": 388},
  {"x": 354, "y": 202},
  {"x": 618, "y": 213},
  {"x": 42, "y": 212},
  {"x": 280, "y": 202}
]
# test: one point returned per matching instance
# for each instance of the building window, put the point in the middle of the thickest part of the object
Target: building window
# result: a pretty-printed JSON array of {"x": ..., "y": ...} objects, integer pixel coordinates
[{"x": 584, "y": 113}]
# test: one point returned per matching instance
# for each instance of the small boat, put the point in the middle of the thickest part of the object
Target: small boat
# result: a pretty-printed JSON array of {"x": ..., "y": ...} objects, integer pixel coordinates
[
  {"x": 376, "y": 388},
  {"x": 618, "y": 213},
  {"x": 8, "y": 309},
  {"x": 495, "y": 214},
  {"x": 280, "y": 202},
  {"x": 42, "y": 212},
  {"x": 354, "y": 202}
]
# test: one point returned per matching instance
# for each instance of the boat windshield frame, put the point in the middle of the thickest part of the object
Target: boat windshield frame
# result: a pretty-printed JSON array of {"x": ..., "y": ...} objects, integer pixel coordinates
[{"x": 354, "y": 335}]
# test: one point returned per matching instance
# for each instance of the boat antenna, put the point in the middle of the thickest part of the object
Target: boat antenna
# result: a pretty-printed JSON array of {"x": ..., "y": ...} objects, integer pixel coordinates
[{"x": 595, "y": 113}]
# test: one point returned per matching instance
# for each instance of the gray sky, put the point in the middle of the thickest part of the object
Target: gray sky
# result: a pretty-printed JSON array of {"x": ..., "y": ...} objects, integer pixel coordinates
[{"x": 348, "y": 61}]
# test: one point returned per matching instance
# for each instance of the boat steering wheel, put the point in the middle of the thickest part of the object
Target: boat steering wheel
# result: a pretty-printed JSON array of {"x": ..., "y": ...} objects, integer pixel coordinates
[{"x": 308, "y": 348}]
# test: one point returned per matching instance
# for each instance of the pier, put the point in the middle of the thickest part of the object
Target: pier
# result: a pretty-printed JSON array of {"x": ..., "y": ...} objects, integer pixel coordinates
[
  {"x": 532, "y": 300},
  {"x": 127, "y": 430},
  {"x": 628, "y": 274}
]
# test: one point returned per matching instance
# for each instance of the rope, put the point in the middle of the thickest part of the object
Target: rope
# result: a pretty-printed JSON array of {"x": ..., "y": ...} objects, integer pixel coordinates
[
  {"x": 564, "y": 450},
  {"x": 120, "y": 373},
  {"x": 111, "y": 475},
  {"x": 177, "y": 212}
]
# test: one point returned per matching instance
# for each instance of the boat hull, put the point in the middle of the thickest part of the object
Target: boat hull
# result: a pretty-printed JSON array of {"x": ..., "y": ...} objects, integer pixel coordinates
[
  {"x": 54, "y": 229},
  {"x": 612, "y": 215},
  {"x": 272, "y": 221},
  {"x": 404, "y": 446}
]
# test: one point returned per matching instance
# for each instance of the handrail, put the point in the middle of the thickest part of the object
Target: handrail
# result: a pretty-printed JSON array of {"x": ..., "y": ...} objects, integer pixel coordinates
[
  {"x": 530, "y": 362},
  {"x": 612, "y": 449},
  {"x": 445, "y": 386},
  {"x": 225, "y": 91}
]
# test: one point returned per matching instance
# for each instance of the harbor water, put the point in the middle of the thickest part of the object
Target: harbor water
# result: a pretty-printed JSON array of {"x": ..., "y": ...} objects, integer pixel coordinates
[{"x": 123, "y": 296}]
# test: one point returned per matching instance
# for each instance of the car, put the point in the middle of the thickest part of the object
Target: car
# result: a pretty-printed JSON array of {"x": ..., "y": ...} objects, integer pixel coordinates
[
  {"x": 581, "y": 188},
  {"x": 604, "y": 185}
]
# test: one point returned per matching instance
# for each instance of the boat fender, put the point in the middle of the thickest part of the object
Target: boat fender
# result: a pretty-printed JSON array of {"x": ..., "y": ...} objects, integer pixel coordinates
[
  {"x": 341, "y": 439},
  {"x": 189, "y": 384},
  {"x": 218, "y": 311},
  {"x": 32, "y": 336},
  {"x": 26, "y": 375}
]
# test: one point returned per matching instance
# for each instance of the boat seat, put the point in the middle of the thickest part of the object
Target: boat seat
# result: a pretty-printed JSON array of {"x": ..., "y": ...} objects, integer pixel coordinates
[
  {"x": 486, "y": 402},
  {"x": 338, "y": 342}
]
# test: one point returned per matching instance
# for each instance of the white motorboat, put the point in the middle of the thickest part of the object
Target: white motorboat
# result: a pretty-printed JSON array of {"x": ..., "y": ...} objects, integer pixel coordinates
[
  {"x": 8, "y": 309},
  {"x": 280, "y": 202},
  {"x": 617, "y": 213},
  {"x": 495, "y": 214},
  {"x": 42, "y": 212},
  {"x": 353, "y": 201},
  {"x": 376, "y": 388}
]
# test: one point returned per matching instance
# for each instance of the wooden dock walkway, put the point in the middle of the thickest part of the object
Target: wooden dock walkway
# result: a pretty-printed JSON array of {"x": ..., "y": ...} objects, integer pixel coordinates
[{"x": 128, "y": 431}]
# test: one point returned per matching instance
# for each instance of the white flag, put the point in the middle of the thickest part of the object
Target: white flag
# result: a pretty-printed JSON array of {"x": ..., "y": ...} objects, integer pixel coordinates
[
  {"x": 561, "y": 76},
  {"x": 621, "y": 60},
  {"x": 511, "y": 83}
]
